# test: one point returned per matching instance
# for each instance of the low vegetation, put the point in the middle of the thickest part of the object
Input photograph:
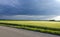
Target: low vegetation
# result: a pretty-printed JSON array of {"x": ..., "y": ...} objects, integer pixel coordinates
[{"x": 40, "y": 26}]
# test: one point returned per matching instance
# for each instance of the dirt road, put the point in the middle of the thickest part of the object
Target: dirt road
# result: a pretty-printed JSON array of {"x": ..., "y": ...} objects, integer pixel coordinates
[{"x": 12, "y": 32}]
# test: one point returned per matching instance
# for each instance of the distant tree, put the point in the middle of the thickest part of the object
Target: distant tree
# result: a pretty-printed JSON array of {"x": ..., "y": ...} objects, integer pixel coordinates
[{"x": 52, "y": 20}]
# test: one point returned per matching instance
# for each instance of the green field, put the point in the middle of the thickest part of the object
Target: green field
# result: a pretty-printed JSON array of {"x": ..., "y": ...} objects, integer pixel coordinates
[{"x": 41, "y": 26}]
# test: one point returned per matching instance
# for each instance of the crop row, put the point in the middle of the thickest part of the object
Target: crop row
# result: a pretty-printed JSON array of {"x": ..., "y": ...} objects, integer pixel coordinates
[{"x": 35, "y": 28}]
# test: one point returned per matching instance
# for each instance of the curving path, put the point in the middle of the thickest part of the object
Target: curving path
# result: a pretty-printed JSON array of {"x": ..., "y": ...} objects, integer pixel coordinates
[{"x": 12, "y": 32}]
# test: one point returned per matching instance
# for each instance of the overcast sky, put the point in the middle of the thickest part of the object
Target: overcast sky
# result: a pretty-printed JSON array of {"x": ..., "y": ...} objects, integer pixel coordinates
[{"x": 29, "y": 9}]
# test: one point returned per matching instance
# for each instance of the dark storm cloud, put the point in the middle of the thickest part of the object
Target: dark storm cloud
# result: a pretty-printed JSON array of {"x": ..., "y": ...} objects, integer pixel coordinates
[{"x": 29, "y": 7}]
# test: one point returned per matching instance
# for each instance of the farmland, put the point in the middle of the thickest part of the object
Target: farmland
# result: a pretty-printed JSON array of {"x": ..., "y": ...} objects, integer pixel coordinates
[{"x": 40, "y": 26}]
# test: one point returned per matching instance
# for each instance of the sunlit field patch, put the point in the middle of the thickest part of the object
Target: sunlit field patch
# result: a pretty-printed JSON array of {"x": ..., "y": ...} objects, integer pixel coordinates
[
  {"x": 36, "y": 23},
  {"x": 41, "y": 26}
]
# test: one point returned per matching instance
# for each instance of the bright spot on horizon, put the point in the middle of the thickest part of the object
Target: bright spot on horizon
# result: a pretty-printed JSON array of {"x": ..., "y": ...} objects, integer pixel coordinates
[{"x": 56, "y": 18}]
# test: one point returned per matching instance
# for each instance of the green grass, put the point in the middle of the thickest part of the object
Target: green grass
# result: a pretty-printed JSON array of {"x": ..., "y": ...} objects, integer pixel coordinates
[{"x": 41, "y": 26}]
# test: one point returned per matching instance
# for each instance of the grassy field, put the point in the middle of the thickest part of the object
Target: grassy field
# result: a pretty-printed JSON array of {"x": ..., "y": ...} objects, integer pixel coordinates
[{"x": 41, "y": 26}]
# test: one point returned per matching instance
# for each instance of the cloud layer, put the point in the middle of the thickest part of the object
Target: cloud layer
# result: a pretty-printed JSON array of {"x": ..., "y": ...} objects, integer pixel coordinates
[
  {"x": 29, "y": 7},
  {"x": 36, "y": 8},
  {"x": 27, "y": 17}
]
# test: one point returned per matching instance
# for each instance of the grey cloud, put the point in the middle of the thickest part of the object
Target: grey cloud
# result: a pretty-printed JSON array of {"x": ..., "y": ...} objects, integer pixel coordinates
[{"x": 28, "y": 17}]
